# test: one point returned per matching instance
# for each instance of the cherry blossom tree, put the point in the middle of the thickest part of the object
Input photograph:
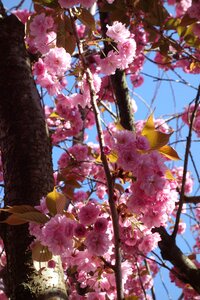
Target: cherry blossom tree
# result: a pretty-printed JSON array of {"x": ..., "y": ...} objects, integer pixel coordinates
[{"x": 92, "y": 227}]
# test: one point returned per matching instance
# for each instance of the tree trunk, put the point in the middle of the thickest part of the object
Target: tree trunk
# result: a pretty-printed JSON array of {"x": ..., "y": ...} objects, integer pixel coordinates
[{"x": 27, "y": 163}]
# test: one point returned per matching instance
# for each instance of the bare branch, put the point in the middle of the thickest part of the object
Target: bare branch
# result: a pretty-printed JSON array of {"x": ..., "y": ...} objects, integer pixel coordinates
[
  {"x": 186, "y": 270},
  {"x": 187, "y": 151}
]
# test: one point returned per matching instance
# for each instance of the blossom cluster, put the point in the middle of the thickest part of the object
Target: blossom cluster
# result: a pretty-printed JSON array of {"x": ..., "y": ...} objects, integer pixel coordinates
[
  {"x": 126, "y": 49},
  {"x": 82, "y": 233},
  {"x": 187, "y": 115}
]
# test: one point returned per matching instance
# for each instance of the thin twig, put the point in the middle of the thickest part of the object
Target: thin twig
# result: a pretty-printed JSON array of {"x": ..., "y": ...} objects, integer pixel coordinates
[
  {"x": 109, "y": 179},
  {"x": 152, "y": 288},
  {"x": 188, "y": 144}
]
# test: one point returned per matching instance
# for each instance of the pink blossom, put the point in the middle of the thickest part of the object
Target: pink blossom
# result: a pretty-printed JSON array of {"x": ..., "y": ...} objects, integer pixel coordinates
[
  {"x": 142, "y": 143},
  {"x": 194, "y": 10},
  {"x": 181, "y": 227},
  {"x": 127, "y": 51},
  {"x": 182, "y": 7},
  {"x": 97, "y": 243},
  {"x": 136, "y": 80},
  {"x": 51, "y": 264},
  {"x": 178, "y": 174},
  {"x": 40, "y": 24},
  {"x": 149, "y": 242},
  {"x": 80, "y": 196},
  {"x": 57, "y": 61},
  {"x": 80, "y": 30},
  {"x": 118, "y": 32},
  {"x": 68, "y": 3},
  {"x": 39, "y": 68},
  {"x": 3, "y": 295},
  {"x": 45, "y": 42},
  {"x": 88, "y": 213},
  {"x": 22, "y": 14},
  {"x": 109, "y": 64},
  {"x": 96, "y": 296},
  {"x": 80, "y": 230},
  {"x": 58, "y": 233},
  {"x": 101, "y": 224}
]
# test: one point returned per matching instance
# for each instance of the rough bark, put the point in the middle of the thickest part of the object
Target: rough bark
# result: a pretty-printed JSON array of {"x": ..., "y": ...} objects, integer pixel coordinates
[
  {"x": 186, "y": 270},
  {"x": 27, "y": 163}
]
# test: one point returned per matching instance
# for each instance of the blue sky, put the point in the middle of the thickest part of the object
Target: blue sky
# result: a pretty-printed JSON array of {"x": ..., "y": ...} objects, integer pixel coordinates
[{"x": 169, "y": 97}]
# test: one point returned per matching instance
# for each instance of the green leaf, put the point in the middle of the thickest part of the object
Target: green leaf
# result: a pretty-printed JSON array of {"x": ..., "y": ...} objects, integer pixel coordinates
[
  {"x": 14, "y": 220},
  {"x": 41, "y": 253},
  {"x": 172, "y": 23},
  {"x": 112, "y": 157},
  {"x": 169, "y": 175},
  {"x": 65, "y": 36},
  {"x": 36, "y": 217},
  {"x": 156, "y": 138},
  {"x": 149, "y": 125},
  {"x": 22, "y": 218},
  {"x": 19, "y": 209},
  {"x": 181, "y": 30},
  {"x": 169, "y": 152},
  {"x": 85, "y": 17},
  {"x": 51, "y": 201}
]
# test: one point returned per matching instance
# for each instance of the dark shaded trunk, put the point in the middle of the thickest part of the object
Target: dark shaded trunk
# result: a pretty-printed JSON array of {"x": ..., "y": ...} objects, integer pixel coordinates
[{"x": 27, "y": 163}]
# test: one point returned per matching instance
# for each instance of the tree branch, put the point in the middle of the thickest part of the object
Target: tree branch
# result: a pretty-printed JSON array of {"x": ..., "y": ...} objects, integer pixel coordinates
[
  {"x": 187, "y": 151},
  {"x": 109, "y": 179},
  {"x": 186, "y": 270}
]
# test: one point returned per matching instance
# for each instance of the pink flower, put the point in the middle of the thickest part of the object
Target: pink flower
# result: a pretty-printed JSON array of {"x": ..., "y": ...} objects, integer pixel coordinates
[
  {"x": 57, "y": 61},
  {"x": 22, "y": 14},
  {"x": 127, "y": 51},
  {"x": 142, "y": 143},
  {"x": 118, "y": 32},
  {"x": 80, "y": 231},
  {"x": 149, "y": 242},
  {"x": 181, "y": 227},
  {"x": 182, "y": 6},
  {"x": 39, "y": 68},
  {"x": 51, "y": 264},
  {"x": 109, "y": 64},
  {"x": 88, "y": 214},
  {"x": 194, "y": 10},
  {"x": 178, "y": 174},
  {"x": 101, "y": 224},
  {"x": 80, "y": 28},
  {"x": 45, "y": 41},
  {"x": 80, "y": 196},
  {"x": 136, "y": 80},
  {"x": 40, "y": 24},
  {"x": 96, "y": 296},
  {"x": 58, "y": 233},
  {"x": 97, "y": 243},
  {"x": 68, "y": 3}
]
